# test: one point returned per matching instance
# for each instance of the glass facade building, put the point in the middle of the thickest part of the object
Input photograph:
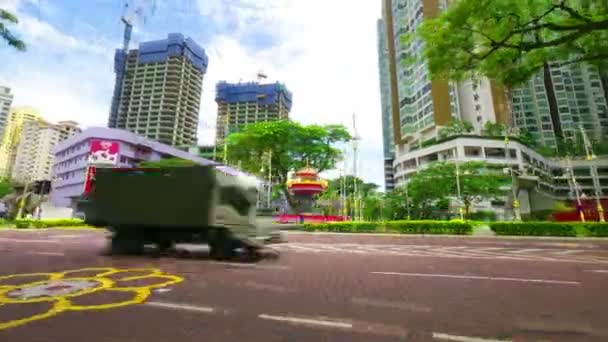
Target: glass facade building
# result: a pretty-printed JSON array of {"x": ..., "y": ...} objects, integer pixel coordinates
[{"x": 580, "y": 102}]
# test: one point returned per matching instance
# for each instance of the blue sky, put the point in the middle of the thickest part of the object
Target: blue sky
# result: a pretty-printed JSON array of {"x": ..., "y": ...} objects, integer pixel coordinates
[{"x": 325, "y": 55}]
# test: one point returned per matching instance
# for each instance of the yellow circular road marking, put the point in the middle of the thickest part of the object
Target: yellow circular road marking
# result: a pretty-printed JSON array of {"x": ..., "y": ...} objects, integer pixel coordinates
[{"x": 49, "y": 290}]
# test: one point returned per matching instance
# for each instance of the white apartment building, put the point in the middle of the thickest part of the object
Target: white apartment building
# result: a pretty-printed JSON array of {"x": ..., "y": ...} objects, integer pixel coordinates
[{"x": 34, "y": 157}]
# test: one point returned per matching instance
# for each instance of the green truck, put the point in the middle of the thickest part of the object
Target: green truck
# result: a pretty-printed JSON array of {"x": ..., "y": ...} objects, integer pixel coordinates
[{"x": 168, "y": 206}]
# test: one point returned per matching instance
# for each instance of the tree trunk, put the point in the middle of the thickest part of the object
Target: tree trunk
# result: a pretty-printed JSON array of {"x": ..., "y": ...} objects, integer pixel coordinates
[{"x": 553, "y": 107}]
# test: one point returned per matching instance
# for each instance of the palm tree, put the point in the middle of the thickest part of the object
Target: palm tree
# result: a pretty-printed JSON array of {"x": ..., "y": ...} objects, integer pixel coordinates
[{"x": 7, "y": 17}]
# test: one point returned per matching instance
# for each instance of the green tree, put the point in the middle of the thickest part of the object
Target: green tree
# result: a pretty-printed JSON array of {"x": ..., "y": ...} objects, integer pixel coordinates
[
  {"x": 456, "y": 127},
  {"x": 336, "y": 185},
  {"x": 512, "y": 40},
  {"x": 6, "y": 187},
  {"x": 293, "y": 146},
  {"x": 491, "y": 129},
  {"x": 478, "y": 180},
  {"x": 7, "y": 18}
]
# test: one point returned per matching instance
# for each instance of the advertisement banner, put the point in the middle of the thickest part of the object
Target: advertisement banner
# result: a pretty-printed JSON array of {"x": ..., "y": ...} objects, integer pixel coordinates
[
  {"x": 91, "y": 170},
  {"x": 104, "y": 152}
]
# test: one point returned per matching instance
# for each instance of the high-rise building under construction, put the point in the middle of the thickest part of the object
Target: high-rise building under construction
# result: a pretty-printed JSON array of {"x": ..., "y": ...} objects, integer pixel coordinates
[
  {"x": 158, "y": 90},
  {"x": 239, "y": 104}
]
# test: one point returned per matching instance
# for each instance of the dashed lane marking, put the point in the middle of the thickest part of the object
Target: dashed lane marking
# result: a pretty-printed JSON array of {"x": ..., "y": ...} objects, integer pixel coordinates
[
  {"x": 599, "y": 271},
  {"x": 504, "y": 253},
  {"x": 182, "y": 307},
  {"x": 29, "y": 241},
  {"x": 447, "y": 337},
  {"x": 307, "y": 321},
  {"x": 47, "y": 253},
  {"x": 454, "y": 276},
  {"x": 253, "y": 266},
  {"x": 391, "y": 305}
]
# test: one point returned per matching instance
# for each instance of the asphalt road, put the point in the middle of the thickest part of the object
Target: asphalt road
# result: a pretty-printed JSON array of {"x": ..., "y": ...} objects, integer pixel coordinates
[{"x": 322, "y": 287}]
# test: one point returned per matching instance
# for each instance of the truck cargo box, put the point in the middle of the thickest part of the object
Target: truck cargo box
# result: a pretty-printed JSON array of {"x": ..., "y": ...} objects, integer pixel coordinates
[{"x": 180, "y": 197}]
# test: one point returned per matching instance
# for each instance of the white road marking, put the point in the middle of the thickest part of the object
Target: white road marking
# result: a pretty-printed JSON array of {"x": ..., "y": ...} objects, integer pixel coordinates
[
  {"x": 254, "y": 266},
  {"x": 307, "y": 321},
  {"x": 183, "y": 307},
  {"x": 67, "y": 236},
  {"x": 526, "y": 250},
  {"x": 47, "y": 253},
  {"x": 430, "y": 275},
  {"x": 162, "y": 290},
  {"x": 391, "y": 305},
  {"x": 29, "y": 241},
  {"x": 600, "y": 271},
  {"x": 446, "y": 337},
  {"x": 268, "y": 287}
]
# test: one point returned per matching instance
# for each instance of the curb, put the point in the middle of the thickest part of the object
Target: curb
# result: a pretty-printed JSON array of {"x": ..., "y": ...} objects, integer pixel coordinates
[{"x": 510, "y": 237}]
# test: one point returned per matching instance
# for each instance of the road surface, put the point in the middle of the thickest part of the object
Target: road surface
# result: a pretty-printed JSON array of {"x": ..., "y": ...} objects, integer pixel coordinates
[{"x": 323, "y": 287}]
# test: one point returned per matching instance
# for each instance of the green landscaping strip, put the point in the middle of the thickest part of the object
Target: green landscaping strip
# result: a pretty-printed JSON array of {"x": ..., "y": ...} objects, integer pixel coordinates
[
  {"x": 590, "y": 229},
  {"x": 50, "y": 223},
  {"x": 401, "y": 227}
]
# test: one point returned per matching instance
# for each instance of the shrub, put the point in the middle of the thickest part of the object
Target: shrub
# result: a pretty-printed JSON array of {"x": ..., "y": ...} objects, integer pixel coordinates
[
  {"x": 403, "y": 227},
  {"x": 483, "y": 215},
  {"x": 51, "y": 223},
  {"x": 431, "y": 227},
  {"x": 534, "y": 228},
  {"x": 596, "y": 229}
]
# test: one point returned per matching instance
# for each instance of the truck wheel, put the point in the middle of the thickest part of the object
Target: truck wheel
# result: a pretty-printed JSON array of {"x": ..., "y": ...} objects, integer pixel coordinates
[
  {"x": 221, "y": 245},
  {"x": 127, "y": 244}
]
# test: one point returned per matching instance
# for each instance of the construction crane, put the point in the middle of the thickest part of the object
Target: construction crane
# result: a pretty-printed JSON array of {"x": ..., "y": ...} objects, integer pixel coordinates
[{"x": 133, "y": 10}]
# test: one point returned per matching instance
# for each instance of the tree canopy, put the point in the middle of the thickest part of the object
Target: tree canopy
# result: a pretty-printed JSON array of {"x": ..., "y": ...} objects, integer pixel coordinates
[
  {"x": 510, "y": 40},
  {"x": 7, "y": 18},
  {"x": 478, "y": 181},
  {"x": 291, "y": 146},
  {"x": 456, "y": 127},
  {"x": 364, "y": 189}
]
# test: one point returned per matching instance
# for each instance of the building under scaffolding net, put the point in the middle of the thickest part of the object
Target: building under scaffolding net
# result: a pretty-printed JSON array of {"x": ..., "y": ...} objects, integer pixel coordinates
[{"x": 240, "y": 104}]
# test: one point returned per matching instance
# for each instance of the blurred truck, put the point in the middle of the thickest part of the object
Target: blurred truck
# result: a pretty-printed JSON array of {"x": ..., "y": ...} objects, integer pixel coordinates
[{"x": 167, "y": 206}]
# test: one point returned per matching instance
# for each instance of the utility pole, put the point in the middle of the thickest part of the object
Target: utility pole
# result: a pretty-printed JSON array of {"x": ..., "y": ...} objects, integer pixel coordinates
[
  {"x": 576, "y": 188},
  {"x": 594, "y": 175},
  {"x": 457, "y": 161},
  {"x": 356, "y": 197},
  {"x": 269, "y": 177}
]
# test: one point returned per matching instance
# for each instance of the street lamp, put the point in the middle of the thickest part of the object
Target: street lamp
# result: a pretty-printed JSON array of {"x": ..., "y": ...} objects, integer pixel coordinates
[
  {"x": 594, "y": 175},
  {"x": 516, "y": 209}
]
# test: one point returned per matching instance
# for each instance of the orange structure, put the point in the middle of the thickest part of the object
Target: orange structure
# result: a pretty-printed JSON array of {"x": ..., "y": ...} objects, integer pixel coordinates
[{"x": 304, "y": 186}]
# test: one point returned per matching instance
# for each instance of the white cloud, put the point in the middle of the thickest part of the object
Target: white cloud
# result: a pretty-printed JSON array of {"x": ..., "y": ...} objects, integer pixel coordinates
[{"x": 327, "y": 56}]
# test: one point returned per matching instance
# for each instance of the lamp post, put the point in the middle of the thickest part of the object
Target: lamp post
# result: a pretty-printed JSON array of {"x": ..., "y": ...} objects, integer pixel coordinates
[
  {"x": 576, "y": 188},
  {"x": 269, "y": 177},
  {"x": 460, "y": 209},
  {"x": 516, "y": 209},
  {"x": 594, "y": 176}
]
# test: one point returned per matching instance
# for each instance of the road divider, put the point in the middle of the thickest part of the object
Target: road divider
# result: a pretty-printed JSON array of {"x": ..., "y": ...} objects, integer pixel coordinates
[{"x": 472, "y": 277}]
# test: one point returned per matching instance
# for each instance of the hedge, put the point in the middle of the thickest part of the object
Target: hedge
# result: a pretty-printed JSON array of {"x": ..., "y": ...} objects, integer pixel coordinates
[
  {"x": 50, "y": 223},
  {"x": 402, "y": 227},
  {"x": 596, "y": 229},
  {"x": 534, "y": 228}
]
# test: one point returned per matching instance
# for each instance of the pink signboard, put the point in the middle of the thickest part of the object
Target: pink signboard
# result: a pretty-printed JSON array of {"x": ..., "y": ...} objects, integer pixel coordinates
[{"x": 104, "y": 152}]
